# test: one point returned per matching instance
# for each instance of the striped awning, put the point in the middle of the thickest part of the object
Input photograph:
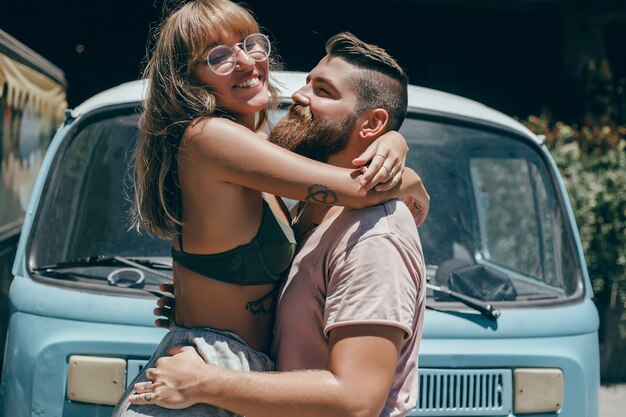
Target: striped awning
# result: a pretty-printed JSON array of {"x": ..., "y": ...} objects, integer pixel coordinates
[{"x": 26, "y": 88}]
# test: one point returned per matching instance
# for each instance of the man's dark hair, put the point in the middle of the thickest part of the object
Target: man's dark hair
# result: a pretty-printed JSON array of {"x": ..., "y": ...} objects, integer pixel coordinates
[{"x": 380, "y": 83}]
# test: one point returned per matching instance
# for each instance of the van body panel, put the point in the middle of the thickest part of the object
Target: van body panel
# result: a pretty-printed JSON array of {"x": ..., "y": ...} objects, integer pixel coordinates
[
  {"x": 52, "y": 319},
  {"x": 38, "y": 352},
  {"x": 523, "y": 322},
  {"x": 571, "y": 354}
]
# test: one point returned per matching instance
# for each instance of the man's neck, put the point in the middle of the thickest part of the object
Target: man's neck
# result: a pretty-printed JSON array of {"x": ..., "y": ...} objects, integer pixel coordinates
[
  {"x": 343, "y": 159},
  {"x": 353, "y": 149},
  {"x": 311, "y": 215}
]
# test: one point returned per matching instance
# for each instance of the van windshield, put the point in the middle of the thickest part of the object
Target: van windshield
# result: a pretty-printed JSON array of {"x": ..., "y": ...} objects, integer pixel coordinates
[
  {"x": 83, "y": 214},
  {"x": 497, "y": 228}
]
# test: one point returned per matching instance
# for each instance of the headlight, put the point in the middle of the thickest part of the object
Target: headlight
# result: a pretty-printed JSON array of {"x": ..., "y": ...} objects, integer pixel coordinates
[
  {"x": 537, "y": 390},
  {"x": 97, "y": 380}
]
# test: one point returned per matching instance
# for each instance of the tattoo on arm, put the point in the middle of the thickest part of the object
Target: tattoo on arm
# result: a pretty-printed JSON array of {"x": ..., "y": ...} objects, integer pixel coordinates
[
  {"x": 319, "y": 193},
  {"x": 264, "y": 305}
]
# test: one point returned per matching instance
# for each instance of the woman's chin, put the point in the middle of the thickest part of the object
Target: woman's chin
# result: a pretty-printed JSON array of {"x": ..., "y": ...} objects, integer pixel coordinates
[{"x": 258, "y": 104}]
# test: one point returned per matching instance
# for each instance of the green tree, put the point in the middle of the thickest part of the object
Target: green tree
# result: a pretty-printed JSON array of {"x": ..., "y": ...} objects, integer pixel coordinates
[{"x": 592, "y": 162}]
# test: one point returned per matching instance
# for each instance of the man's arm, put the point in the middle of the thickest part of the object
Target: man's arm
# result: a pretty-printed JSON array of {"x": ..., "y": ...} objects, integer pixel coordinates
[{"x": 363, "y": 361}]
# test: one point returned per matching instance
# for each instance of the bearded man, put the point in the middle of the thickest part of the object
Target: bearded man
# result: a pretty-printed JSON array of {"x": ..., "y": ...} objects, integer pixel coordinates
[{"x": 350, "y": 313}]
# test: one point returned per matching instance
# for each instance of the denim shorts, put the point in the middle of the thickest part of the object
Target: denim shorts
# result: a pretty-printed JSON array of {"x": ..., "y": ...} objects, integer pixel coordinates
[{"x": 216, "y": 347}]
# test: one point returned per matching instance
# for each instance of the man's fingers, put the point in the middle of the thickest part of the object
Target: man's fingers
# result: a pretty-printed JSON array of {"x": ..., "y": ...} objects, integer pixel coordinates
[
  {"x": 150, "y": 374},
  {"x": 163, "y": 323},
  {"x": 165, "y": 309},
  {"x": 166, "y": 302},
  {"x": 167, "y": 288},
  {"x": 177, "y": 349},
  {"x": 162, "y": 312},
  {"x": 142, "y": 399},
  {"x": 143, "y": 387}
]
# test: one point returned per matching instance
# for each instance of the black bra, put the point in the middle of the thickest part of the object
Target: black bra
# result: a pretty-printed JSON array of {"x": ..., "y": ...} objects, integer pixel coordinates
[{"x": 261, "y": 261}]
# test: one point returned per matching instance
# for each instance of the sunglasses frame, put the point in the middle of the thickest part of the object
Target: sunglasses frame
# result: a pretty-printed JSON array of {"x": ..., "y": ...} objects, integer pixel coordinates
[{"x": 234, "y": 52}]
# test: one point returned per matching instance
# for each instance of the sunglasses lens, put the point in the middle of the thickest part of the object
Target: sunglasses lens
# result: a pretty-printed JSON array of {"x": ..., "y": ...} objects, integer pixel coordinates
[
  {"x": 222, "y": 59},
  {"x": 257, "y": 46}
]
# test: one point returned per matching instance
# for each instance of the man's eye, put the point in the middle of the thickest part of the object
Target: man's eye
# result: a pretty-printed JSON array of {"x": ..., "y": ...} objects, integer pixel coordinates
[{"x": 322, "y": 92}]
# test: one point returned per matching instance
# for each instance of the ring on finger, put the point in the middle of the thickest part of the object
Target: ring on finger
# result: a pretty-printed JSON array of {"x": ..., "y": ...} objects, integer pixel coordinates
[
  {"x": 146, "y": 385},
  {"x": 387, "y": 169},
  {"x": 147, "y": 397},
  {"x": 381, "y": 155}
]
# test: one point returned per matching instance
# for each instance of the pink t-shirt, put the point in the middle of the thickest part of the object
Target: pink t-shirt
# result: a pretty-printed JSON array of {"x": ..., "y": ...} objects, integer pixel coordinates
[{"x": 358, "y": 267}]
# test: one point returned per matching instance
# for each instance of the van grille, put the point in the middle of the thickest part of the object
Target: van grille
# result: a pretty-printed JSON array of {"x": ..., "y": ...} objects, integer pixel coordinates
[{"x": 449, "y": 392}]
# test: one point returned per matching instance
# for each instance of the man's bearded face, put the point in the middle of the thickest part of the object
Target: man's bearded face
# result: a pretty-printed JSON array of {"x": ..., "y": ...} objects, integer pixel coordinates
[{"x": 317, "y": 139}]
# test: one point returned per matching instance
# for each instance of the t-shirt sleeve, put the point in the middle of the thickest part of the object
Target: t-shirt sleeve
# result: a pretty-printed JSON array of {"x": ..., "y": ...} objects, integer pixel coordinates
[{"x": 375, "y": 281}]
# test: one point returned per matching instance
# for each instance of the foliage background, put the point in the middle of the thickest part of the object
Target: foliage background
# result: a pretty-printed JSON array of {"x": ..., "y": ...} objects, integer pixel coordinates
[{"x": 592, "y": 161}]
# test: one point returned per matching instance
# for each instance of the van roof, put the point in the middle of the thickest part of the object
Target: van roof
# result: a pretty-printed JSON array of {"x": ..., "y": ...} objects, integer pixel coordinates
[{"x": 420, "y": 100}]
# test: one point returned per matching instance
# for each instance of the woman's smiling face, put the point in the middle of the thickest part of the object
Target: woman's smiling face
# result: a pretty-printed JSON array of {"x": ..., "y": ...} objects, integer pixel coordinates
[{"x": 244, "y": 91}]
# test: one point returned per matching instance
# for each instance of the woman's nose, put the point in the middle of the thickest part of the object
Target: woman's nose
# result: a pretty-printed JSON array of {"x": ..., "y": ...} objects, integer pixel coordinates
[{"x": 242, "y": 60}]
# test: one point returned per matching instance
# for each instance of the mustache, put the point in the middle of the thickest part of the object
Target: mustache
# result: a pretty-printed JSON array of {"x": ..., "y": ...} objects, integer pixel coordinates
[{"x": 299, "y": 112}]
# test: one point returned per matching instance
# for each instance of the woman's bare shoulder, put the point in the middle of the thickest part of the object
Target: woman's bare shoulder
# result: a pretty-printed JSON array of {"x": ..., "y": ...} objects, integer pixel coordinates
[{"x": 212, "y": 127}]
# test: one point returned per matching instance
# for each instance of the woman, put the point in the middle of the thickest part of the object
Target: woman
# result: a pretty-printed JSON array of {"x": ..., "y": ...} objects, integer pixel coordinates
[{"x": 199, "y": 165}]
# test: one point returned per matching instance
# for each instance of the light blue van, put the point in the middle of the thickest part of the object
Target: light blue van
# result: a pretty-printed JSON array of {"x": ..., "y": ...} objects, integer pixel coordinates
[{"x": 510, "y": 328}]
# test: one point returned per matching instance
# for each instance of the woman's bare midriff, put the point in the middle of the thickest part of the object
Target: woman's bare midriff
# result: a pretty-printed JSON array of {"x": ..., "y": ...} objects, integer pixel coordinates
[
  {"x": 219, "y": 216},
  {"x": 204, "y": 302}
]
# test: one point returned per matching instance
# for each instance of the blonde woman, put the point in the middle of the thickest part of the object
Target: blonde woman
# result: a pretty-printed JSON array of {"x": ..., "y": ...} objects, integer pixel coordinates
[{"x": 200, "y": 167}]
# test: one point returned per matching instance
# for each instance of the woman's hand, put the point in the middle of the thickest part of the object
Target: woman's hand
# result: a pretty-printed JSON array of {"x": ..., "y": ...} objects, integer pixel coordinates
[{"x": 386, "y": 157}]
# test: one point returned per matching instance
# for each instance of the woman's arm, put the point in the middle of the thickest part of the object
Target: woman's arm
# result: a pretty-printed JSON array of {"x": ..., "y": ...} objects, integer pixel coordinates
[
  {"x": 388, "y": 151},
  {"x": 239, "y": 156}
]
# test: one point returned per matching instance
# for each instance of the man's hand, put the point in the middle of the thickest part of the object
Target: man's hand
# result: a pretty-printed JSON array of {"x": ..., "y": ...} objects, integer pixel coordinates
[
  {"x": 363, "y": 362},
  {"x": 171, "y": 384},
  {"x": 386, "y": 157},
  {"x": 165, "y": 307}
]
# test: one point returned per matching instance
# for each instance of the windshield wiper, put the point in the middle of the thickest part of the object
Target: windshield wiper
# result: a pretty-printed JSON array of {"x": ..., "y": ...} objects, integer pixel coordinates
[
  {"x": 101, "y": 260},
  {"x": 485, "y": 309}
]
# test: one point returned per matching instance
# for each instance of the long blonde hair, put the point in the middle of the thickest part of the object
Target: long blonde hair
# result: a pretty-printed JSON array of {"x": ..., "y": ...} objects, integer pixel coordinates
[{"x": 175, "y": 99}]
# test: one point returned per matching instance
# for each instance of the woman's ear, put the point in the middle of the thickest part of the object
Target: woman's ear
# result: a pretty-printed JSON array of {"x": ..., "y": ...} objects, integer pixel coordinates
[{"x": 373, "y": 123}]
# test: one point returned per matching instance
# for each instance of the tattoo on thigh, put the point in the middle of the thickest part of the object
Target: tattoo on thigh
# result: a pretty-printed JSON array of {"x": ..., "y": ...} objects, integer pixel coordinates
[
  {"x": 264, "y": 305},
  {"x": 319, "y": 193}
]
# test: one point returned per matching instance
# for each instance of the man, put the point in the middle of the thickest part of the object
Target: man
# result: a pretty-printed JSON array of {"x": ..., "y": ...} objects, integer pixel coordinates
[{"x": 349, "y": 316}]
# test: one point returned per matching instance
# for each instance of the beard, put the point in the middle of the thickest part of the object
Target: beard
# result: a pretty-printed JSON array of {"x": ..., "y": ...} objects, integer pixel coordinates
[{"x": 318, "y": 139}]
